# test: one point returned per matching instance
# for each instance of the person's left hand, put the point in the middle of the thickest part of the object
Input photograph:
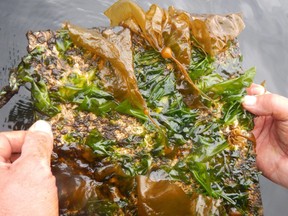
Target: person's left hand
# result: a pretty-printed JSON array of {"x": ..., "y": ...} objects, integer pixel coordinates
[{"x": 27, "y": 186}]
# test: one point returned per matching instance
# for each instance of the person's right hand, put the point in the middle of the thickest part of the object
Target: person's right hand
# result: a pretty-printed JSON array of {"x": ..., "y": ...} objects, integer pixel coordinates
[{"x": 270, "y": 131}]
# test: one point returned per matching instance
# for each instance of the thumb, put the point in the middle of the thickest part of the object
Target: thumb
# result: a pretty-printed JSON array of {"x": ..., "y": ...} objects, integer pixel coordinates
[
  {"x": 267, "y": 105},
  {"x": 38, "y": 143}
]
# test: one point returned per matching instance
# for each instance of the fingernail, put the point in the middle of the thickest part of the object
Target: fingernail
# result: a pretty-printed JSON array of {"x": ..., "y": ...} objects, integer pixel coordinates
[
  {"x": 42, "y": 126},
  {"x": 259, "y": 90},
  {"x": 249, "y": 100}
]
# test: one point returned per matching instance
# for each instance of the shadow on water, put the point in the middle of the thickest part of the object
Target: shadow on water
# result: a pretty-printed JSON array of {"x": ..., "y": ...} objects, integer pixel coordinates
[{"x": 263, "y": 44}]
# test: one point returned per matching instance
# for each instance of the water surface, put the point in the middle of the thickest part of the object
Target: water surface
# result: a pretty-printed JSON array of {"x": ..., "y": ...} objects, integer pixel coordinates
[{"x": 263, "y": 44}]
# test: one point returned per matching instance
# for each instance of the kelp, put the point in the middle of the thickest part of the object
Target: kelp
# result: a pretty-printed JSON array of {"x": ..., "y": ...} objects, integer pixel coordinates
[
  {"x": 125, "y": 87},
  {"x": 161, "y": 197},
  {"x": 207, "y": 142},
  {"x": 173, "y": 33},
  {"x": 176, "y": 29},
  {"x": 159, "y": 27},
  {"x": 100, "y": 46},
  {"x": 96, "y": 87},
  {"x": 167, "y": 32},
  {"x": 221, "y": 29}
]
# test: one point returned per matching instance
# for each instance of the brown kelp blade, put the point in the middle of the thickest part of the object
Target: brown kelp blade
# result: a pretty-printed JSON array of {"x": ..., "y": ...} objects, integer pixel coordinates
[{"x": 95, "y": 43}]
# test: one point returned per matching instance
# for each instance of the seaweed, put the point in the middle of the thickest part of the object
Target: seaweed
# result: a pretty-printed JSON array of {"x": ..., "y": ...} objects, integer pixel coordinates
[{"x": 188, "y": 141}]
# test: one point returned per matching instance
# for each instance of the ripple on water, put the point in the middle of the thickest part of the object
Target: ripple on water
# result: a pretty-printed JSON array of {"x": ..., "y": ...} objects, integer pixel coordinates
[{"x": 18, "y": 113}]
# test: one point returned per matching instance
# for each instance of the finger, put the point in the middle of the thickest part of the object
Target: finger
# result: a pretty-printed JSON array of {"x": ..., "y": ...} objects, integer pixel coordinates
[
  {"x": 256, "y": 89},
  {"x": 14, "y": 157},
  {"x": 258, "y": 126},
  {"x": 38, "y": 143},
  {"x": 16, "y": 139},
  {"x": 5, "y": 149},
  {"x": 267, "y": 105},
  {"x": 10, "y": 143}
]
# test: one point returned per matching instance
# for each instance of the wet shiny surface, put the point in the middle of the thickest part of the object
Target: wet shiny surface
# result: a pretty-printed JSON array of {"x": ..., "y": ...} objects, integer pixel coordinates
[{"x": 263, "y": 44}]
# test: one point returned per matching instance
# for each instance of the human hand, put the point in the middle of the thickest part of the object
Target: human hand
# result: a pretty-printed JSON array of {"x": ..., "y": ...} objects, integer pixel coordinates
[
  {"x": 26, "y": 182},
  {"x": 270, "y": 131}
]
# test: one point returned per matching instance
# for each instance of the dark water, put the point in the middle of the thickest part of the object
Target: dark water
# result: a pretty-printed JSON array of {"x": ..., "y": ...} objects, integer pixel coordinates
[{"x": 263, "y": 44}]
